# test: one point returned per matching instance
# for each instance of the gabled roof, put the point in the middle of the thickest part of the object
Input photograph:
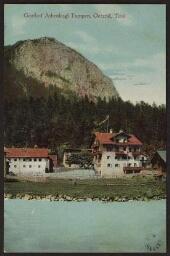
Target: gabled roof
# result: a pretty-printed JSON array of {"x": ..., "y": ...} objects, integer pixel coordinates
[
  {"x": 27, "y": 152},
  {"x": 162, "y": 154},
  {"x": 5, "y": 150},
  {"x": 107, "y": 138},
  {"x": 122, "y": 133}
]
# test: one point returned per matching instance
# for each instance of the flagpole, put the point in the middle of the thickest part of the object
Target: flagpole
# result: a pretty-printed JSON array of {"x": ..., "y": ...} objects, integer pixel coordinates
[{"x": 108, "y": 124}]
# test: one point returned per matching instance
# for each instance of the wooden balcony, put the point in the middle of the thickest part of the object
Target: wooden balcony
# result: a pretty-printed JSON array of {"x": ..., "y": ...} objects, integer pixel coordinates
[
  {"x": 127, "y": 153},
  {"x": 133, "y": 168},
  {"x": 97, "y": 153},
  {"x": 137, "y": 153}
]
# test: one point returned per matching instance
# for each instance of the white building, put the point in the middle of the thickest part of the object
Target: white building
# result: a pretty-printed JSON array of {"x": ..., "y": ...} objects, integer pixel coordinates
[
  {"x": 117, "y": 154},
  {"x": 28, "y": 160}
]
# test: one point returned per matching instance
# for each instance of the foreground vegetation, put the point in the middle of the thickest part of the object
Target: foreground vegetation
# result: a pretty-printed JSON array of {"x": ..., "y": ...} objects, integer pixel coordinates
[{"x": 142, "y": 189}]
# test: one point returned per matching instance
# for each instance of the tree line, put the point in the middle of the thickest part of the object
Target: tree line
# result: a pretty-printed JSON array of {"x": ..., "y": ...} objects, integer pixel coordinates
[{"x": 55, "y": 121}]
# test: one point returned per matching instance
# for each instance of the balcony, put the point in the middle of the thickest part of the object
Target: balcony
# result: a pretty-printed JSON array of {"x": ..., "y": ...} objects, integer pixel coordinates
[
  {"x": 118, "y": 153},
  {"x": 128, "y": 170},
  {"x": 136, "y": 153},
  {"x": 133, "y": 168},
  {"x": 97, "y": 153}
]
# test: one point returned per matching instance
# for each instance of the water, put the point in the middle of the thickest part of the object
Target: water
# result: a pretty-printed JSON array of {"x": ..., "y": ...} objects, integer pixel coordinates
[{"x": 42, "y": 226}]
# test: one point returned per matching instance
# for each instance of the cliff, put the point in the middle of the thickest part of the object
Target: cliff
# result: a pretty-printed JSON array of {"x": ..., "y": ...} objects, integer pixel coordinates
[{"x": 48, "y": 62}]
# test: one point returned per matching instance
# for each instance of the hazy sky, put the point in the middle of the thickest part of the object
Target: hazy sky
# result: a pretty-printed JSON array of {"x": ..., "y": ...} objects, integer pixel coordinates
[{"x": 126, "y": 41}]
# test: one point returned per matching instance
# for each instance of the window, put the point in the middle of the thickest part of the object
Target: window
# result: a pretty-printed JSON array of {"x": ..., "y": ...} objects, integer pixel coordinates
[
  {"x": 35, "y": 159},
  {"x": 15, "y": 159},
  {"x": 108, "y": 157},
  {"x": 109, "y": 149},
  {"x": 30, "y": 159},
  {"x": 26, "y": 159},
  {"x": 117, "y": 165},
  {"x": 130, "y": 149},
  {"x": 39, "y": 166},
  {"x": 24, "y": 166},
  {"x": 30, "y": 166},
  {"x": 40, "y": 159},
  {"x": 134, "y": 149},
  {"x": 109, "y": 165},
  {"x": 134, "y": 157},
  {"x": 124, "y": 149},
  {"x": 15, "y": 166}
]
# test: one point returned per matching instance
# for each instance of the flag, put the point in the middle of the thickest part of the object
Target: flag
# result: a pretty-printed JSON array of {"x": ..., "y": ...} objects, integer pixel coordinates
[{"x": 106, "y": 118}]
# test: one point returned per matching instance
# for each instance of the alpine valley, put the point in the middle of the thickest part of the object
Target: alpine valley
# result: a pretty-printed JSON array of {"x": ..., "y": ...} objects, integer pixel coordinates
[{"x": 55, "y": 98}]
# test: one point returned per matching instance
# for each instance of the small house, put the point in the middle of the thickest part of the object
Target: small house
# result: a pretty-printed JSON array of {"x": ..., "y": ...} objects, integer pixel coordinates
[
  {"x": 70, "y": 152},
  {"x": 159, "y": 162}
]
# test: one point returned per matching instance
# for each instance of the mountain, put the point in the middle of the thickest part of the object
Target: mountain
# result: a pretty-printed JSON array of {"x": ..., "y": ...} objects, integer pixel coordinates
[{"x": 45, "y": 62}]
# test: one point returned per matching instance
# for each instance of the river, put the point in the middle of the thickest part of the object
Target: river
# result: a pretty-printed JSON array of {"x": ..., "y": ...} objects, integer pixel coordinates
[{"x": 54, "y": 227}]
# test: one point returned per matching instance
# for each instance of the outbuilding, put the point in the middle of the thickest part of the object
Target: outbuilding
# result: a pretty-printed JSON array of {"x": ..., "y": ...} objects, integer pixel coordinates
[
  {"x": 159, "y": 162},
  {"x": 29, "y": 160}
]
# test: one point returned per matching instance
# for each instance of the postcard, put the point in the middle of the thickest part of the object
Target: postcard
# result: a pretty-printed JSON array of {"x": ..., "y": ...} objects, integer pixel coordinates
[{"x": 85, "y": 128}]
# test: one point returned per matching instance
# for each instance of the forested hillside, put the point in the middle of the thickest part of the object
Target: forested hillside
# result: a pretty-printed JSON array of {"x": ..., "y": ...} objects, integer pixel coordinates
[{"x": 56, "y": 122}]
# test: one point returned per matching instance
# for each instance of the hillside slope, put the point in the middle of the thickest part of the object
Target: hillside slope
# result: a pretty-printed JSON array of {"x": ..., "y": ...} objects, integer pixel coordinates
[{"x": 50, "y": 62}]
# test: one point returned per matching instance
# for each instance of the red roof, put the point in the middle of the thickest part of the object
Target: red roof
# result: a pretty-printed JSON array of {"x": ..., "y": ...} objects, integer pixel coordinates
[
  {"x": 5, "y": 150},
  {"x": 27, "y": 152},
  {"x": 106, "y": 138}
]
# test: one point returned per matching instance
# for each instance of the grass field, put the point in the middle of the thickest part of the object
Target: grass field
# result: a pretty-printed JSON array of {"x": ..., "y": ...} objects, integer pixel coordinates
[{"x": 96, "y": 188}]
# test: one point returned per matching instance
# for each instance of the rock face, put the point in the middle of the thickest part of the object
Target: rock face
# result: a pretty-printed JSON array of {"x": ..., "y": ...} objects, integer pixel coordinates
[{"x": 52, "y": 63}]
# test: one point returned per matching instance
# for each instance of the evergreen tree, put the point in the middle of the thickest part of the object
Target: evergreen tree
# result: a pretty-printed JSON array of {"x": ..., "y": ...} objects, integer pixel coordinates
[{"x": 53, "y": 120}]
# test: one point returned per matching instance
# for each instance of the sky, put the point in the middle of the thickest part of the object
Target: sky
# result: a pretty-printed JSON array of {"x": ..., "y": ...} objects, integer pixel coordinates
[{"x": 126, "y": 41}]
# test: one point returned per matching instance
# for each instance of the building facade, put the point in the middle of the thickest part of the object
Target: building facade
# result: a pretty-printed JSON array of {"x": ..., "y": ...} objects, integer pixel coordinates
[
  {"x": 29, "y": 160},
  {"x": 117, "y": 154},
  {"x": 67, "y": 153},
  {"x": 70, "y": 152}
]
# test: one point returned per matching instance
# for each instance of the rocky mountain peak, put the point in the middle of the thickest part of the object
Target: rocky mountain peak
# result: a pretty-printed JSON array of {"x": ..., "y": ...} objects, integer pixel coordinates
[{"x": 52, "y": 63}]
